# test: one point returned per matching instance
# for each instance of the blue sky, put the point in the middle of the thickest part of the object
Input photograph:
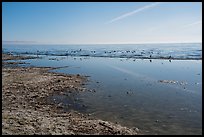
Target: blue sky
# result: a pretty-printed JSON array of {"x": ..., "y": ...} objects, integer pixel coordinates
[{"x": 102, "y": 22}]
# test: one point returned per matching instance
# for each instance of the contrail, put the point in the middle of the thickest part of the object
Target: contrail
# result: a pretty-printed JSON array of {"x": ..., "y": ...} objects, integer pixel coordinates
[
  {"x": 135, "y": 11},
  {"x": 192, "y": 24}
]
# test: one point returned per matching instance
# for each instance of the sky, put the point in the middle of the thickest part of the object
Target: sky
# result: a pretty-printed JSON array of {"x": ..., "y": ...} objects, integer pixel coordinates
[{"x": 101, "y": 22}]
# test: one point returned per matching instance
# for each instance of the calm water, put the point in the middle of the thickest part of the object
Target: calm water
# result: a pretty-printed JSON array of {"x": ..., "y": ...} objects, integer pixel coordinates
[{"x": 128, "y": 90}]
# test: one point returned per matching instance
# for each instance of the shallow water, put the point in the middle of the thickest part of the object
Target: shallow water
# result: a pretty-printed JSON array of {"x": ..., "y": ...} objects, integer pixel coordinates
[{"x": 129, "y": 91}]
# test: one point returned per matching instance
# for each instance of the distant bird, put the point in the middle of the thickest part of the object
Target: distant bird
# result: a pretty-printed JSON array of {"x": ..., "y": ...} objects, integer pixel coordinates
[
  {"x": 66, "y": 53},
  {"x": 37, "y": 52},
  {"x": 150, "y": 56}
]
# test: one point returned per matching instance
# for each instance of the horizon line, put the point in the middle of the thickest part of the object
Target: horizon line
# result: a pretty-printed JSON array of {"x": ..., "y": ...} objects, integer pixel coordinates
[{"x": 36, "y": 43}]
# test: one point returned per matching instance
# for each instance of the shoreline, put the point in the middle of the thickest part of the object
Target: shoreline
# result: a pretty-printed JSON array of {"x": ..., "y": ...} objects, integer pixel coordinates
[
  {"x": 25, "y": 109},
  {"x": 119, "y": 57}
]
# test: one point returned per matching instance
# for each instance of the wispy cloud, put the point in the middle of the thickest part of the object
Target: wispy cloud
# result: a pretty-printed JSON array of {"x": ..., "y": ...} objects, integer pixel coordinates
[
  {"x": 192, "y": 24},
  {"x": 172, "y": 27},
  {"x": 134, "y": 12}
]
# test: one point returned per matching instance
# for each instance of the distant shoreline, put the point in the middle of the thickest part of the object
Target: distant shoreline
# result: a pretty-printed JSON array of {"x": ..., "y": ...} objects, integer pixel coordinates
[{"x": 38, "y": 43}]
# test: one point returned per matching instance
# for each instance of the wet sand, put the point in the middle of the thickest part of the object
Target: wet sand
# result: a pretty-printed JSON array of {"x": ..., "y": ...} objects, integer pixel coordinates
[{"x": 25, "y": 109}]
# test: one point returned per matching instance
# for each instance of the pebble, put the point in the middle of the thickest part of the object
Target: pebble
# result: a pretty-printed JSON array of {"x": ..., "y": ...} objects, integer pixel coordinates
[{"x": 136, "y": 129}]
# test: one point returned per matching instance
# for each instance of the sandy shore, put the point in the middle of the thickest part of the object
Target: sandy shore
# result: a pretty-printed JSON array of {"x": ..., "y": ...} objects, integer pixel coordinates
[{"x": 25, "y": 109}]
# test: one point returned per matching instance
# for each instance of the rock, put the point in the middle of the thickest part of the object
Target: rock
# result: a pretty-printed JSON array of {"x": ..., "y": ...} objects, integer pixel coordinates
[{"x": 136, "y": 129}]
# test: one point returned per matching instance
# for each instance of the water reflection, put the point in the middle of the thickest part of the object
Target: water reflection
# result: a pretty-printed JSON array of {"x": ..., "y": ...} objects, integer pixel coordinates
[{"x": 128, "y": 92}]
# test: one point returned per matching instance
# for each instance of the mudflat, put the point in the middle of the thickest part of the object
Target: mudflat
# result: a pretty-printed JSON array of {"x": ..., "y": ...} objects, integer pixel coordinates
[{"x": 25, "y": 109}]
